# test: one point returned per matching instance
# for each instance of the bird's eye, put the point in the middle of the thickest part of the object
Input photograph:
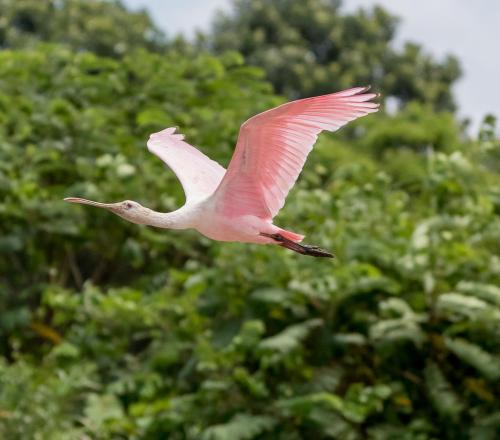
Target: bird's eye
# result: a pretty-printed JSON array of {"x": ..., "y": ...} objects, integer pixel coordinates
[{"x": 128, "y": 205}]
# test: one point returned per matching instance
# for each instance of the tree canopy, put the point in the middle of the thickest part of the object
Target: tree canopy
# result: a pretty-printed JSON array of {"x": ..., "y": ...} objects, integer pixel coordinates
[
  {"x": 310, "y": 47},
  {"x": 103, "y": 27}
]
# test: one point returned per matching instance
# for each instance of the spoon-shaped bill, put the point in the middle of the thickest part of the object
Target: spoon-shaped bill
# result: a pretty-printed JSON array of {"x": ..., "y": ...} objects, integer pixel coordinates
[{"x": 90, "y": 202}]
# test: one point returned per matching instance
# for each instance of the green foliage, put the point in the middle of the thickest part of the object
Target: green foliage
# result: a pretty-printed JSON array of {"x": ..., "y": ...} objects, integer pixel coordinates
[
  {"x": 312, "y": 47},
  {"x": 415, "y": 128},
  {"x": 442, "y": 396},
  {"x": 474, "y": 355},
  {"x": 77, "y": 125},
  {"x": 101, "y": 26},
  {"x": 110, "y": 330},
  {"x": 241, "y": 427}
]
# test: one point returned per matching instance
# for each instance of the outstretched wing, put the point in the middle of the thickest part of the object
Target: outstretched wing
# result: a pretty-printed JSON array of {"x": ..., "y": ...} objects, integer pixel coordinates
[
  {"x": 273, "y": 147},
  {"x": 199, "y": 175}
]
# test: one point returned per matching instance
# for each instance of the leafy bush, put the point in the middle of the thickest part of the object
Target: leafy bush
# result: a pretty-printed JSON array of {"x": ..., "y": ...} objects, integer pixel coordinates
[
  {"x": 110, "y": 330},
  {"x": 307, "y": 47},
  {"x": 105, "y": 27}
]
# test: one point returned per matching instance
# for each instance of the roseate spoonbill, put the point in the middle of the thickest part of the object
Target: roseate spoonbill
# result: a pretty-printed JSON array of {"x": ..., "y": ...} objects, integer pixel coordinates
[{"x": 238, "y": 204}]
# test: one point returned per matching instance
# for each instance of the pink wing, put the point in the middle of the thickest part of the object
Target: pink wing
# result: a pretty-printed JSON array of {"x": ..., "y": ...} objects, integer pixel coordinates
[
  {"x": 199, "y": 175},
  {"x": 273, "y": 147}
]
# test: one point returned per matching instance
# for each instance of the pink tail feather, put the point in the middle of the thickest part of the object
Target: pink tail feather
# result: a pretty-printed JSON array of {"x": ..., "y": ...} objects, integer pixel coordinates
[{"x": 291, "y": 235}]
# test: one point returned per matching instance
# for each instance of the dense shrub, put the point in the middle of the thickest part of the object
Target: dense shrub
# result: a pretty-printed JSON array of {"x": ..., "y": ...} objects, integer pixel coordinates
[{"x": 110, "y": 330}]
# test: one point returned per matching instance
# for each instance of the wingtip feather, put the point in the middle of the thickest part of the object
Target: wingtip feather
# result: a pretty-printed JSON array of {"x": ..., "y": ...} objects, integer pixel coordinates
[{"x": 166, "y": 134}]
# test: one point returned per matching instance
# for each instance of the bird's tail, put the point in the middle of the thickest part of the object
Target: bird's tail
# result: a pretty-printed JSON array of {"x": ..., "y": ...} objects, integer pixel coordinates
[
  {"x": 283, "y": 239},
  {"x": 292, "y": 236}
]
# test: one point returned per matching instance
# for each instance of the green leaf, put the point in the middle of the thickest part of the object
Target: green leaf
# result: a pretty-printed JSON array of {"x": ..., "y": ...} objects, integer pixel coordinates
[
  {"x": 486, "y": 363},
  {"x": 101, "y": 409},
  {"x": 486, "y": 292},
  {"x": 288, "y": 340},
  {"x": 241, "y": 427},
  {"x": 456, "y": 304},
  {"x": 442, "y": 395},
  {"x": 303, "y": 405}
]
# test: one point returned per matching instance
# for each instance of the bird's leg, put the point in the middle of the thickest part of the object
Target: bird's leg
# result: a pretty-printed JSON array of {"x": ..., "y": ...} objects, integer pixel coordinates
[{"x": 304, "y": 249}]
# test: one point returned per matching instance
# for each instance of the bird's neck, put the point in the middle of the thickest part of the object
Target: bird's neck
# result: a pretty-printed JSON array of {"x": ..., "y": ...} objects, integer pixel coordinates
[{"x": 169, "y": 220}]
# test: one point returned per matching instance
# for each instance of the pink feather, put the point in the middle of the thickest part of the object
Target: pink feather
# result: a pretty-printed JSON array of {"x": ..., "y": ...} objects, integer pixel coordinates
[{"x": 273, "y": 147}]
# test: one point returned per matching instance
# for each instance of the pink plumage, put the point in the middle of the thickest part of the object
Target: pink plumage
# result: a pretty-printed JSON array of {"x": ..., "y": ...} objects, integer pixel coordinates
[
  {"x": 240, "y": 203},
  {"x": 273, "y": 147}
]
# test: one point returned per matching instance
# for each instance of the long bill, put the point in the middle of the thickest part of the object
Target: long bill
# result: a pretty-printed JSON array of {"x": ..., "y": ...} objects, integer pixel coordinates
[{"x": 90, "y": 202}]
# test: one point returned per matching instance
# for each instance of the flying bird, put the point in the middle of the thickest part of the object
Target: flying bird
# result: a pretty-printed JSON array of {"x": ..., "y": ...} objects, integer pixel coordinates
[{"x": 239, "y": 204}]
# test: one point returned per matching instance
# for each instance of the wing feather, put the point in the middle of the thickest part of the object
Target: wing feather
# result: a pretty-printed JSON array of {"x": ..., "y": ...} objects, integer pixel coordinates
[
  {"x": 198, "y": 174},
  {"x": 273, "y": 146}
]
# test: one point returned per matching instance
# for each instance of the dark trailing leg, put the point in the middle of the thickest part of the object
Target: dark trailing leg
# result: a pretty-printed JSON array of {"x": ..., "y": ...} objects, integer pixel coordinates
[{"x": 304, "y": 249}]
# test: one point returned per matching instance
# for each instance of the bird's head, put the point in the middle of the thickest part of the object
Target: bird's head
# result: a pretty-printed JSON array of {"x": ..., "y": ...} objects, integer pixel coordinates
[{"x": 128, "y": 209}]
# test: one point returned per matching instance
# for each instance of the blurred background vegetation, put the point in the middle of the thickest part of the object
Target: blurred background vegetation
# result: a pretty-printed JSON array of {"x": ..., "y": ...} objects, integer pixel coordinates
[{"x": 113, "y": 331}]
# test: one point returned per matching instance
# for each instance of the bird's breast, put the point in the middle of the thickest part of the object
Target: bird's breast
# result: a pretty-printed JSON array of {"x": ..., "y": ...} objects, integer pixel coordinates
[{"x": 244, "y": 229}]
